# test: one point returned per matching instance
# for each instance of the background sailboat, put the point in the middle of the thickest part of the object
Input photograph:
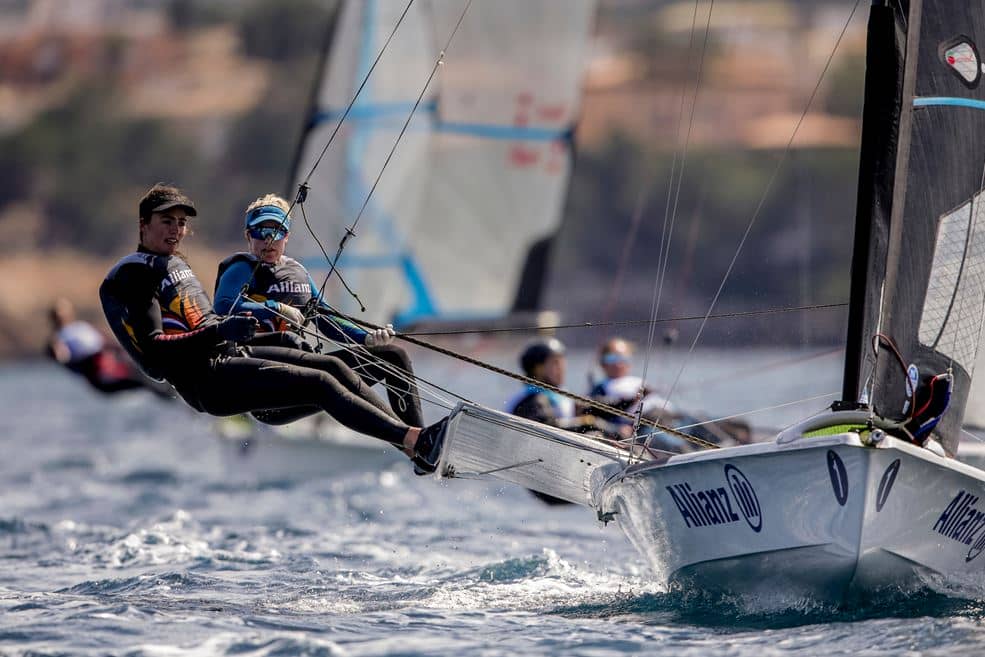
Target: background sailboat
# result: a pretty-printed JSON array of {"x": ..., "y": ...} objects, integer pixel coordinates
[{"x": 459, "y": 225}]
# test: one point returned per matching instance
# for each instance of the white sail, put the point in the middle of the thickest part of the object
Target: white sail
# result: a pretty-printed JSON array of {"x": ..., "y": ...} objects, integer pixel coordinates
[{"x": 480, "y": 174}]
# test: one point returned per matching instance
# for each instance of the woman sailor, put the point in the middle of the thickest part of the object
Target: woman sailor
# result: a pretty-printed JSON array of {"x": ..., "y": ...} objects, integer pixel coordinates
[
  {"x": 164, "y": 319},
  {"x": 275, "y": 289}
]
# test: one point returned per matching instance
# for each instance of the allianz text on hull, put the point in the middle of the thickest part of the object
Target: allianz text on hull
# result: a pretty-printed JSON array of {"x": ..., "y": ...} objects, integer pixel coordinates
[{"x": 819, "y": 518}]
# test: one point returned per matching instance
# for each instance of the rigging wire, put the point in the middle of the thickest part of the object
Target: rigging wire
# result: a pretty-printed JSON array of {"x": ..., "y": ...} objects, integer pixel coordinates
[
  {"x": 757, "y": 410},
  {"x": 628, "y": 322},
  {"x": 586, "y": 401},
  {"x": 762, "y": 368},
  {"x": 518, "y": 377},
  {"x": 670, "y": 215},
  {"x": 642, "y": 198},
  {"x": 351, "y": 345},
  {"x": 350, "y": 231},
  {"x": 352, "y": 102},
  {"x": 303, "y": 187},
  {"x": 762, "y": 200}
]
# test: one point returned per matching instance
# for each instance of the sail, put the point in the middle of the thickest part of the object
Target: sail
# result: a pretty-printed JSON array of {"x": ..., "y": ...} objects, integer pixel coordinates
[
  {"x": 920, "y": 283},
  {"x": 478, "y": 180}
]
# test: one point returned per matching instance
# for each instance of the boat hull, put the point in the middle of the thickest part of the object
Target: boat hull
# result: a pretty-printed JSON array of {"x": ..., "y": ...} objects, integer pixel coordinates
[{"x": 820, "y": 519}]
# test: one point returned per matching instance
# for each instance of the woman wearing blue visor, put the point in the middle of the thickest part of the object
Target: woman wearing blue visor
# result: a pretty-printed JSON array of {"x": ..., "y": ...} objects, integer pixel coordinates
[
  {"x": 274, "y": 288},
  {"x": 164, "y": 319}
]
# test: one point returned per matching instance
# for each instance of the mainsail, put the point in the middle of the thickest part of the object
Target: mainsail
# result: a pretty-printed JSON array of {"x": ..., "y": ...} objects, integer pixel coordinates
[
  {"x": 919, "y": 266},
  {"x": 477, "y": 182}
]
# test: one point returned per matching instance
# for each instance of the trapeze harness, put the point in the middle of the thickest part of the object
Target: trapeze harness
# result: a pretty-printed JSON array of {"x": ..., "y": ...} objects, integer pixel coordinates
[{"x": 267, "y": 284}]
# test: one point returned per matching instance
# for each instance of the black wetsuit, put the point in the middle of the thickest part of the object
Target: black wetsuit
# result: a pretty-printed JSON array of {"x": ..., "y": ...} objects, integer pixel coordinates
[
  {"x": 288, "y": 282},
  {"x": 163, "y": 318}
]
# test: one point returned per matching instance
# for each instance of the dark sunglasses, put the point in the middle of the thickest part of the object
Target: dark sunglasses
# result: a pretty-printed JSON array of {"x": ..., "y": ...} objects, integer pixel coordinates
[{"x": 273, "y": 233}]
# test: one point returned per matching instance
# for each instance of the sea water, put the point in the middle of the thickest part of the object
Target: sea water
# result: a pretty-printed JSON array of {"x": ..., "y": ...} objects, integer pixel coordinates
[{"x": 128, "y": 528}]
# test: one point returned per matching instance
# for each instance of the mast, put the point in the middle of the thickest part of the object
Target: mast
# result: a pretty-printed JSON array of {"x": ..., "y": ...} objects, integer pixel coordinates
[
  {"x": 918, "y": 279},
  {"x": 874, "y": 204}
]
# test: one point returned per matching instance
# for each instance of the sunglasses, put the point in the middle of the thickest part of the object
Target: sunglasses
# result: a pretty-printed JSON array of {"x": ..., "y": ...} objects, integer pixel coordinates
[
  {"x": 614, "y": 359},
  {"x": 273, "y": 233}
]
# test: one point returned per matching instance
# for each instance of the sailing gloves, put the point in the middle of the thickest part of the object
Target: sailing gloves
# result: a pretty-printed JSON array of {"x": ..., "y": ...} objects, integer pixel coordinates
[
  {"x": 237, "y": 328},
  {"x": 291, "y": 315},
  {"x": 380, "y": 337}
]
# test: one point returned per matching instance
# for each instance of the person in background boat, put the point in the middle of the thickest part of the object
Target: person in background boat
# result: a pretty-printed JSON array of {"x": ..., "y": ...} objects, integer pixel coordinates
[
  {"x": 83, "y": 349},
  {"x": 544, "y": 360},
  {"x": 160, "y": 314},
  {"x": 619, "y": 388},
  {"x": 277, "y": 289},
  {"x": 627, "y": 392}
]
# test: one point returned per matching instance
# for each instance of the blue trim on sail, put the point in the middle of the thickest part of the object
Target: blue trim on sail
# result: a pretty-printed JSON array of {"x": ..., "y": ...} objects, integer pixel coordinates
[
  {"x": 506, "y": 132},
  {"x": 949, "y": 101},
  {"x": 367, "y": 108},
  {"x": 369, "y": 112},
  {"x": 364, "y": 111}
]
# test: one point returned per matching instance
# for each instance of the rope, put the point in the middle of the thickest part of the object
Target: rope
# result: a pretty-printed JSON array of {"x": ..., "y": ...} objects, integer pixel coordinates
[
  {"x": 586, "y": 401},
  {"x": 352, "y": 345},
  {"x": 629, "y": 322}
]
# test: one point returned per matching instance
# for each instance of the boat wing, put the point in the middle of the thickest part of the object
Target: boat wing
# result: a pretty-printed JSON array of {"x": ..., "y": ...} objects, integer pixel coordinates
[{"x": 484, "y": 443}]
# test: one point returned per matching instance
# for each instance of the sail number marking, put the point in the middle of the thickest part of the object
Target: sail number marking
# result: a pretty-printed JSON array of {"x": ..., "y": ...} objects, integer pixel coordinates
[{"x": 839, "y": 477}]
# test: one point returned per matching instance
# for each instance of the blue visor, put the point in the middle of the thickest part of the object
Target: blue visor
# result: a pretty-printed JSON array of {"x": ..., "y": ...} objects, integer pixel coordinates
[
  {"x": 268, "y": 213},
  {"x": 614, "y": 359}
]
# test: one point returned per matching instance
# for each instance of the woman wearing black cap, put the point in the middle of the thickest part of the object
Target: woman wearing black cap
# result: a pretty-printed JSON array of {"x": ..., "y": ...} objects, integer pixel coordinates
[
  {"x": 274, "y": 287},
  {"x": 161, "y": 315}
]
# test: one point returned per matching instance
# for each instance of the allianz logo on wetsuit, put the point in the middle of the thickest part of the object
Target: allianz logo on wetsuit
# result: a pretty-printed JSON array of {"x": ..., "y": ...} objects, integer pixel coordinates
[
  {"x": 717, "y": 506},
  {"x": 289, "y": 287},
  {"x": 175, "y": 277}
]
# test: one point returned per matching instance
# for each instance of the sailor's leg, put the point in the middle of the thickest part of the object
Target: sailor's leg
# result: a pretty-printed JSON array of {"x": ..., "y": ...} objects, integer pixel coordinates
[
  {"x": 281, "y": 416},
  {"x": 389, "y": 365},
  {"x": 241, "y": 384},
  {"x": 329, "y": 364}
]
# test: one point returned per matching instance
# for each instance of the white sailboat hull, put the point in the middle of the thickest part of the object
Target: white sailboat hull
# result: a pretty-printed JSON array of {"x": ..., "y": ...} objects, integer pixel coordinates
[
  {"x": 800, "y": 518},
  {"x": 818, "y": 519}
]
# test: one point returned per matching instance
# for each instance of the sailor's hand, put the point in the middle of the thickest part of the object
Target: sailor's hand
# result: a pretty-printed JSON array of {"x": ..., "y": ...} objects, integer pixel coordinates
[
  {"x": 237, "y": 328},
  {"x": 291, "y": 315},
  {"x": 380, "y": 337}
]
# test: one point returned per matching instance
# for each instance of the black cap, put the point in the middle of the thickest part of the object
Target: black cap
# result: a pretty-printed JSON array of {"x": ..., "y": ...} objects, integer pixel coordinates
[
  {"x": 164, "y": 197},
  {"x": 538, "y": 352}
]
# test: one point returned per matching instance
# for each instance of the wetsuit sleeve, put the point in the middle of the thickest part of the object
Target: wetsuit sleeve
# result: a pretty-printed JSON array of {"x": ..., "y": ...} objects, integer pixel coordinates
[
  {"x": 331, "y": 325},
  {"x": 227, "y": 294}
]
